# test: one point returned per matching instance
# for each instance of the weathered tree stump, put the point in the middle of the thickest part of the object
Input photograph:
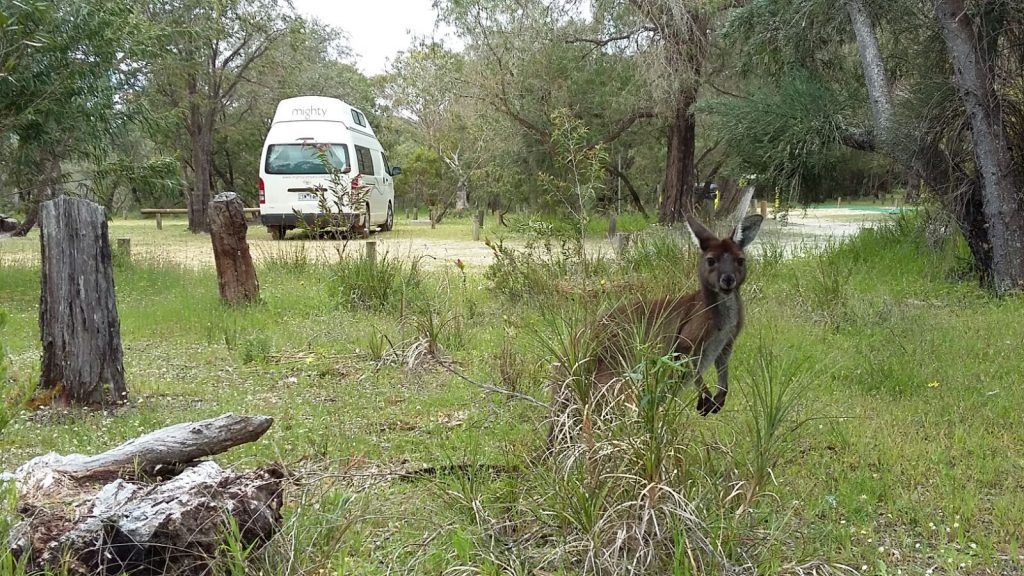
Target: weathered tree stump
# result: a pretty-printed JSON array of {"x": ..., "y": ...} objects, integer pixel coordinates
[
  {"x": 145, "y": 507},
  {"x": 236, "y": 275},
  {"x": 622, "y": 240},
  {"x": 78, "y": 321},
  {"x": 124, "y": 248}
]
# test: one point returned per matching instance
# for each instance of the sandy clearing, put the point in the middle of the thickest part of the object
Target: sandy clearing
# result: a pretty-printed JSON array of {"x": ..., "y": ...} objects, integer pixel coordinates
[{"x": 801, "y": 231}]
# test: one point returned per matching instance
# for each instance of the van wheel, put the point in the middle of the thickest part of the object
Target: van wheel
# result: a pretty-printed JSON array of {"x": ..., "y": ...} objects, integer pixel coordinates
[
  {"x": 276, "y": 232},
  {"x": 389, "y": 224}
]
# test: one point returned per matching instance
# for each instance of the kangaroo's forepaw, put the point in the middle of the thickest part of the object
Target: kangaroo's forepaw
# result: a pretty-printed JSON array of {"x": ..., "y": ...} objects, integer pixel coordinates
[
  {"x": 706, "y": 404},
  {"x": 719, "y": 402}
]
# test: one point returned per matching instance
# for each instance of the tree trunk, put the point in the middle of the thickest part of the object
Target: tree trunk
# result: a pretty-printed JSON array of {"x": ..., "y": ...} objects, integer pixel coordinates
[
  {"x": 78, "y": 321},
  {"x": 162, "y": 513},
  {"x": 236, "y": 275},
  {"x": 462, "y": 196},
  {"x": 201, "y": 138},
  {"x": 999, "y": 179},
  {"x": 51, "y": 185},
  {"x": 679, "y": 175},
  {"x": 874, "y": 69}
]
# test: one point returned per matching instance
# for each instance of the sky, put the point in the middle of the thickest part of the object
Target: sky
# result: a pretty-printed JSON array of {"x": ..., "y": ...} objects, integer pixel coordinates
[{"x": 377, "y": 29}]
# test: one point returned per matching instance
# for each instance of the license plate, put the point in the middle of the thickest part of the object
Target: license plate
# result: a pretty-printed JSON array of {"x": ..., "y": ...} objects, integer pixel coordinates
[{"x": 307, "y": 196}]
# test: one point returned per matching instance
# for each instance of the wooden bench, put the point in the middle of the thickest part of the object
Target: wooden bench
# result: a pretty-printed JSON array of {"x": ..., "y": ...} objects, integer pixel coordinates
[{"x": 159, "y": 213}]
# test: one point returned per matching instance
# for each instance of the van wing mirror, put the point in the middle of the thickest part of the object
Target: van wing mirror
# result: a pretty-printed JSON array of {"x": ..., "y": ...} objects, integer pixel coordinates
[{"x": 396, "y": 170}]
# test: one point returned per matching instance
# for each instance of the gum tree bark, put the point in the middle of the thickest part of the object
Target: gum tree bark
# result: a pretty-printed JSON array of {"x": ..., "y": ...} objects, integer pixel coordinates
[
  {"x": 1000, "y": 181},
  {"x": 78, "y": 320}
]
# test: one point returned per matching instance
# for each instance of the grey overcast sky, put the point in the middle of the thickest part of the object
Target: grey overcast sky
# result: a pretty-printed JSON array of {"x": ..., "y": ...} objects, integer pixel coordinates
[{"x": 378, "y": 29}]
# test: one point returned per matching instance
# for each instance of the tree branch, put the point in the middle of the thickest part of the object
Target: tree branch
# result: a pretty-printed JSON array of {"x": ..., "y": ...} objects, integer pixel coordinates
[
  {"x": 624, "y": 125},
  {"x": 615, "y": 172}
]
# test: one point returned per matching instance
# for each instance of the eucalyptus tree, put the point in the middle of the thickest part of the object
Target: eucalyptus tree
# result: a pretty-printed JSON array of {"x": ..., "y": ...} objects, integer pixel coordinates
[
  {"x": 210, "y": 49},
  {"x": 66, "y": 67},
  {"x": 526, "y": 60},
  {"x": 933, "y": 87}
]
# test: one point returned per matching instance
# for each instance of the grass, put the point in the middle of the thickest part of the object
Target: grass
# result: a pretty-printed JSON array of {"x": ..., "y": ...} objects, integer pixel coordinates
[{"x": 874, "y": 405}]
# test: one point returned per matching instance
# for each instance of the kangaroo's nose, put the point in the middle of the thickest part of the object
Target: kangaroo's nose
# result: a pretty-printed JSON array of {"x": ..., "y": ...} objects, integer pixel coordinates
[{"x": 727, "y": 281}]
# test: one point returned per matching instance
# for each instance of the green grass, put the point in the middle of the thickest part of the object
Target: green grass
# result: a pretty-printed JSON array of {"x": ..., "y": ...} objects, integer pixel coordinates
[{"x": 905, "y": 383}]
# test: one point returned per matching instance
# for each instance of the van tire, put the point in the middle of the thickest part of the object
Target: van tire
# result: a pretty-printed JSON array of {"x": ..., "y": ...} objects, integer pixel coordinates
[
  {"x": 276, "y": 232},
  {"x": 389, "y": 224}
]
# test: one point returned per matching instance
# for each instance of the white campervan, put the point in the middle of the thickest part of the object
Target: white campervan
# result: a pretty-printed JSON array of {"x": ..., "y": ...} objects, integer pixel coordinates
[{"x": 291, "y": 170}]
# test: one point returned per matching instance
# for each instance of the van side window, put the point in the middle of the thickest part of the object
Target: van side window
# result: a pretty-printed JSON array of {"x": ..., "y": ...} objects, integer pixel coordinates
[
  {"x": 387, "y": 167},
  {"x": 365, "y": 159},
  {"x": 358, "y": 117}
]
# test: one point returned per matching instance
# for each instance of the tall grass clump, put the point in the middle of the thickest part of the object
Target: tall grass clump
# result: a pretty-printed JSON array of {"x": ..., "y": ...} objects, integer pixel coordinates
[
  {"x": 628, "y": 490},
  {"x": 824, "y": 286},
  {"x": 359, "y": 283},
  {"x": 13, "y": 395},
  {"x": 773, "y": 397},
  {"x": 664, "y": 258},
  {"x": 317, "y": 536},
  {"x": 287, "y": 257}
]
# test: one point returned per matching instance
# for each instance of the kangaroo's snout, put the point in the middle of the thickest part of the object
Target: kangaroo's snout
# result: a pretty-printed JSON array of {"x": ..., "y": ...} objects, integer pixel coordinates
[{"x": 727, "y": 282}]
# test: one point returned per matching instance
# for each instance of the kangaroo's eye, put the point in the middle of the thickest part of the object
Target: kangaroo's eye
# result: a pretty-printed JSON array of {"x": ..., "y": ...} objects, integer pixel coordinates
[
  {"x": 741, "y": 261},
  {"x": 711, "y": 261}
]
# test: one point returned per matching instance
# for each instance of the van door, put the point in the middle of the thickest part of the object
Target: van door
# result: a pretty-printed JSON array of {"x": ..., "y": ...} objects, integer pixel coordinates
[
  {"x": 387, "y": 188},
  {"x": 371, "y": 177}
]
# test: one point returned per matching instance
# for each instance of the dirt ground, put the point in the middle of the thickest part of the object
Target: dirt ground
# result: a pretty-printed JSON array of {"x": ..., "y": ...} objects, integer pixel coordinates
[{"x": 440, "y": 247}]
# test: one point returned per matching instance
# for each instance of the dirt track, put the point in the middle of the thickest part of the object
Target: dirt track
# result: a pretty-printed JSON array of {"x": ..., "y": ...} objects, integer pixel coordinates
[{"x": 437, "y": 248}]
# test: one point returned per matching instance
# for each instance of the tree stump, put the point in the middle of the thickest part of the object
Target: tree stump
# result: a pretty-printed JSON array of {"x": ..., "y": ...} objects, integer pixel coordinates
[
  {"x": 622, "y": 243},
  {"x": 78, "y": 321},
  {"x": 124, "y": 249},
  {"x": 236, "y": 275},
  {"x": 145, "y": 507}
]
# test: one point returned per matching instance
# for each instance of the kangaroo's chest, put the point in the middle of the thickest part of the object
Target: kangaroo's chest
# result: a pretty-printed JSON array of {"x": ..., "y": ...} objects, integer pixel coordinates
[{"x": 721, "y": 332}]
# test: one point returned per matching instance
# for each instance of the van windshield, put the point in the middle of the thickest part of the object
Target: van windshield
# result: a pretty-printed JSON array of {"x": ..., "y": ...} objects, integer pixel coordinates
[{"x": 304, "y": 158}]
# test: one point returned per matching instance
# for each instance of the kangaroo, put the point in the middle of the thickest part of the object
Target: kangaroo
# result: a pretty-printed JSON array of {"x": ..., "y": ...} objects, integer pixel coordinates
[{"x": 701, "y": 326}]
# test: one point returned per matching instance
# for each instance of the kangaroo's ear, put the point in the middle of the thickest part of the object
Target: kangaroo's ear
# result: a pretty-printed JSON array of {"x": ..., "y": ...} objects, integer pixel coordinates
[
  {"x": 700, "y": 234},
  {"x": 748, "y": 229}
]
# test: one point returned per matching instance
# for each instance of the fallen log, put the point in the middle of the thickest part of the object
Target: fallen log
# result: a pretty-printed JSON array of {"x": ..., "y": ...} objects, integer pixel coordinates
[{"x": 76, "y": 517}]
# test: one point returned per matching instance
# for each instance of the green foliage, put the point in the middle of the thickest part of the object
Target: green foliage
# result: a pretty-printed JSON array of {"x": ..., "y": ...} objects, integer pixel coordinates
[
  {"x": 422, "y": 173},
  {"x": 579, "y": 175},
  {"x": 788, "y": 134}
]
